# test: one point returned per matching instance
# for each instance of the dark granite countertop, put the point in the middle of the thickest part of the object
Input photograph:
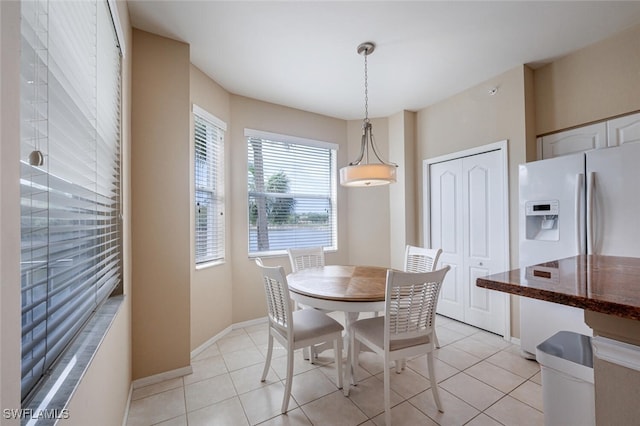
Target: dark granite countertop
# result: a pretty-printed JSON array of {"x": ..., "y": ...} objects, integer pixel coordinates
[{"x": 605, "y": 284}]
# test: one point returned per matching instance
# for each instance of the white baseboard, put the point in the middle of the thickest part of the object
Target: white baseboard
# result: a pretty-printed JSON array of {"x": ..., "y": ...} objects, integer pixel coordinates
[
  {"x": 157, "y": 378},
  {"x": 249, "y": 323},
  {"x": 197, "y": 351}
]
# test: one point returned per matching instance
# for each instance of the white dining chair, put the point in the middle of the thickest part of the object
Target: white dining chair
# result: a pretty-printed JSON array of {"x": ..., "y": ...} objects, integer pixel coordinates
[
  {"x": 420, "y": 259},
  {"x": 295, "y": 329},
  {"x": 405, "y": 330},
  {"x": 303, "y": 258}
]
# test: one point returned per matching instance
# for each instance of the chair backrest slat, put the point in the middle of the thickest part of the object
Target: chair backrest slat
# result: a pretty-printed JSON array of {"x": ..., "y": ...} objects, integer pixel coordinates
[
  {"x": 277, "y": 294},
  {"x": 419, "y": 259},
  {"x": 303, "y": 258},
  {"x": 411, "y": 302}
]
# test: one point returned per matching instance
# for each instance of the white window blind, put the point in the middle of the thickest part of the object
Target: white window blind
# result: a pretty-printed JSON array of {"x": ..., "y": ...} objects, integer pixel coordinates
[
  {"x": 209, "y": 186},
  {"x": 70, "y": 204},
  {"x": 292, "y": 193}
]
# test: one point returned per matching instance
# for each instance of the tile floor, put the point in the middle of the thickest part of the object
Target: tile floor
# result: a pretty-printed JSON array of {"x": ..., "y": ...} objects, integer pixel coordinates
[{"x": 483, "y": 381}]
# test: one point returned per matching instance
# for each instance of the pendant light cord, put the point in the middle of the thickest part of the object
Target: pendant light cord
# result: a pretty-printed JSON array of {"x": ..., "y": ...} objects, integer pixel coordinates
[
  {"x": 366, "y": 90},
  {"x": 366, "y": 124}
]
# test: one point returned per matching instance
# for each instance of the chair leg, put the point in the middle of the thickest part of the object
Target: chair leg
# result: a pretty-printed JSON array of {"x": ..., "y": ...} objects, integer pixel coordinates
[
  {"x": 347, "y": 374},
  {"x": 356, "y": 352},
  {"x": 287, "y": 390},
  {"x": 351, "y": 374},
  {"x": 313, "y": 354},
  {"x": 435, "y": 339},
  {"x": 306, "y": 353},
  {"x": 309, "y": 353},
  {"x": 387, "y": 394},
  {"x": 337, "y": 349},
  {"x": 434, "y": 382},
  {"x": 267, "y": 362},
  {"x": 401, "y": 364}
]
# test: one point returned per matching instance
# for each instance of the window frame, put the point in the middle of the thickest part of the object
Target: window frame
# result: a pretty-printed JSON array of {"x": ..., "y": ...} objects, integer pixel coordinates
[
  {"x": 333, "y": 183},
  {"x": 216, "y": 192}
]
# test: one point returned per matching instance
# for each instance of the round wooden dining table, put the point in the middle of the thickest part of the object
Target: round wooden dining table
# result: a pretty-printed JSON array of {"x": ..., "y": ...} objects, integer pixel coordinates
[{"x": 351, "y": 289}]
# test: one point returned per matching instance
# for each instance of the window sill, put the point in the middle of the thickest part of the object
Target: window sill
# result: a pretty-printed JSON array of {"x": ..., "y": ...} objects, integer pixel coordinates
[
  {"x": 281, "y": 253},
  {"x": 211, "y": 264},
  {"x": 54, "y": 395}
]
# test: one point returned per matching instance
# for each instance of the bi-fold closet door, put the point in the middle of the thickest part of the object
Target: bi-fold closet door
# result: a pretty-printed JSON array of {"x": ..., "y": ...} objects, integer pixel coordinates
[{"x": 468, "y": 221}]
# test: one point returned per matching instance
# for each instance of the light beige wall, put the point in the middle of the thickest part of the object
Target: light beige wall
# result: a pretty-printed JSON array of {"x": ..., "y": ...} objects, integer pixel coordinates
[
  {"x": 248, "y": 293},
  {"x": 160, "y": 147},
  {"x": 474, "y": 118},
  {"x": 368, "y": 210},
  {"x": 402, "y": 194},
  {"x": 103, "y": 393},
  {"x": 530, "y": 114},
  {"x": 9, "y": 207},
  {"x": 594, "y": 83},
  {"x": 211, "y": 287}
]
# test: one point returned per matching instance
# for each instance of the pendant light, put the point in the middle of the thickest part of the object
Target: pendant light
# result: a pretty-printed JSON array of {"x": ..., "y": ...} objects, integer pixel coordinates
[{"x": 361, "y": 172}]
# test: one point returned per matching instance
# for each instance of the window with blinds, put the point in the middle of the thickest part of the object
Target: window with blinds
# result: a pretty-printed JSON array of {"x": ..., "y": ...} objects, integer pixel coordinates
[
  {"x": 70, "y": 174},
  {"x": 292, "y": 193},
  {"x": 208, "y": 132}
]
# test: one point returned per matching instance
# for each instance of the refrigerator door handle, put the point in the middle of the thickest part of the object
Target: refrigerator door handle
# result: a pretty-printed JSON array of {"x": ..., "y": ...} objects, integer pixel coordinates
[
  {"x": 580, "y": 231},
  {"x": 590, "y": 203}
]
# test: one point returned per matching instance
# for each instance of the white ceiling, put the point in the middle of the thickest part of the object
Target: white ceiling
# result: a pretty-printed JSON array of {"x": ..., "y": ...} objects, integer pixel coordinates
[{"x": 302, "y": 54}]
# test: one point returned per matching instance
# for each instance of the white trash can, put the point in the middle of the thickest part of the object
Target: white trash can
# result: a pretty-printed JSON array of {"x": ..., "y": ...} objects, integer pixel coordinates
[{"x": 566, "y": 362}]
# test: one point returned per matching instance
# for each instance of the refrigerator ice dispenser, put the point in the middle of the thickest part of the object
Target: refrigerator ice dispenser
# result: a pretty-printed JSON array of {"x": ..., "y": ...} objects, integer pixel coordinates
[{"x": 542, "y": 220}]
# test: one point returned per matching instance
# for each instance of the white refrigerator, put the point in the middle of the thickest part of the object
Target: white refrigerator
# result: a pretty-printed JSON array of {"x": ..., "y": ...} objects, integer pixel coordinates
[{"x": 587, "y": 203}]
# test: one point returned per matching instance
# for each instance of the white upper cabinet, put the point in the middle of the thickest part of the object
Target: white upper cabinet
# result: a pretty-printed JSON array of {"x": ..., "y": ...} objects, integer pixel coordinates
[
  {"x": 623, "y": 130},
  {"x": 614, "y": 132},
  {"x": 571, "y": 141}
]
